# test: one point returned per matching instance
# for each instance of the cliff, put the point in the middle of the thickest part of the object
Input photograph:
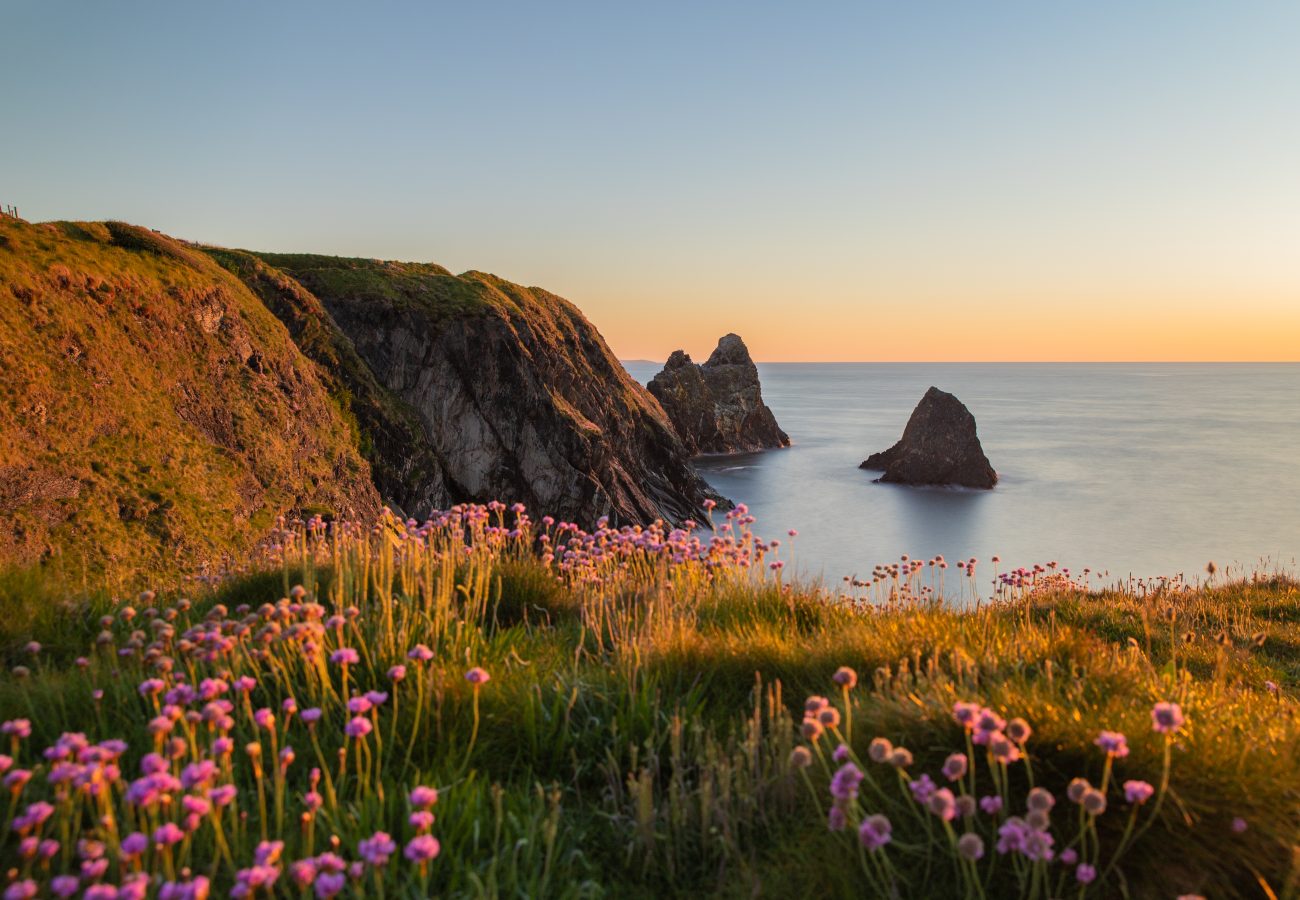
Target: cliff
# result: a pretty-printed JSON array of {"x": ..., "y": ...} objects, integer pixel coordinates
[
  {"x": 516, "y": 393},
  {"x": 718, "y": 407},
  {"x": 151, "y": 408},
  {"x": 162, "y": 403}
]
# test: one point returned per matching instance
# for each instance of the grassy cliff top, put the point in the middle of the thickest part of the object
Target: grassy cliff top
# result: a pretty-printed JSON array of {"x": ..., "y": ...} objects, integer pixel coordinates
[{"x": 152, "y": 408}]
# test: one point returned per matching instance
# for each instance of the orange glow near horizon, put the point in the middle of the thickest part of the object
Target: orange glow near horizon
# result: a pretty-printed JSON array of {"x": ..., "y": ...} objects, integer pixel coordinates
[{"x": 1139, "y": 333}]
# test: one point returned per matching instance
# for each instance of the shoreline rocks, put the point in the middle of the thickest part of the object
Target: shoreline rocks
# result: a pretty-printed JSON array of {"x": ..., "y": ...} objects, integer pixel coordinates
[
  {"x": 717, "y": 407},
  {"x": 939, "y": 446}
]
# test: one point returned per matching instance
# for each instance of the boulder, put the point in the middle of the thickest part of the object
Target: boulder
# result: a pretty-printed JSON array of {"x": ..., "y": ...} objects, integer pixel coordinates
[
  {"x": 939, "y": 446},
  {"x": 717, "y": 407}
]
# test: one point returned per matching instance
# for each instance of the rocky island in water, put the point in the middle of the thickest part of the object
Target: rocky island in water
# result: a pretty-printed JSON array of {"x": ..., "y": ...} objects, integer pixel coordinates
[
  {"x": 718, "y": 407},
  {"x": 939, "y": 446}
]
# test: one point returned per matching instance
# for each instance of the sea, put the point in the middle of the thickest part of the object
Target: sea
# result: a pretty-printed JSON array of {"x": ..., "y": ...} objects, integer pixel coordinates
[{"x": 1133, "y": 471}]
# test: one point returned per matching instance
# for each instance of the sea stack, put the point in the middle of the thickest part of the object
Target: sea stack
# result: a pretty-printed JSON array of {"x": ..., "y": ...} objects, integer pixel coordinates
[
  {"x": 939, "y": 446},
  {"x": 717, "y": 407}
]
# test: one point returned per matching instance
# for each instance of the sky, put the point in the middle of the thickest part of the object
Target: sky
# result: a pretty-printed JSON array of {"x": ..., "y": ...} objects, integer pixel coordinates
[{"x": 867, "y": 181}]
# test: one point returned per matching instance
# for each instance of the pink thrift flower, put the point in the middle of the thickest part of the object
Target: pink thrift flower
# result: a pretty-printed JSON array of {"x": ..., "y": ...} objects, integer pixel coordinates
[
  {"x": 422, "y": 848},
  {"x": 1166, "y": 717},
  {"x": 1138, "y": 791}
]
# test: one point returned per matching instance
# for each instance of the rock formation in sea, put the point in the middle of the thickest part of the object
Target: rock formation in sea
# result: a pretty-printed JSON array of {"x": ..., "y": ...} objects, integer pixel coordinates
[
  {"x": 718, "y": 407},
  {"x": 939, "y": 446},
  {"x": 162, "y": 404}
]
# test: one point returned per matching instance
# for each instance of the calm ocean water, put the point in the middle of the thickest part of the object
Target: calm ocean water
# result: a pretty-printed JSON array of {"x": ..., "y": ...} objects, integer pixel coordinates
[{"x": 1142, "y": 469}]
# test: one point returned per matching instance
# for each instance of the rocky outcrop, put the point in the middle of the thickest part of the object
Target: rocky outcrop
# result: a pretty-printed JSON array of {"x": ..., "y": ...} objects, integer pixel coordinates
[
  {"x": 939, "y": 446},
  {"x": 717, "y": 407},
  {"x": 516, "y": 395}
]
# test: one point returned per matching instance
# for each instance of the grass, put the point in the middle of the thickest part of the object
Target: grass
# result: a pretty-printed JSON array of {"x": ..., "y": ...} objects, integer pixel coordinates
[
  {"x": 638, "y": 735},
  {"x": 155, "y": 413}
]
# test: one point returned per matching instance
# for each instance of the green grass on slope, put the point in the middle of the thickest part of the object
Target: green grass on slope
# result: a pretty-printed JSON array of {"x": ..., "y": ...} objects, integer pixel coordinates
[
  {"x": 153, "y": 413},
  {"x": 635, "y": 737}
]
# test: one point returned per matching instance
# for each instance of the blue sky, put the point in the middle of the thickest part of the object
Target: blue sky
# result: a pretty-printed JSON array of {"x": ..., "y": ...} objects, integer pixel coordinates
[{"x": 866, "y": 181}]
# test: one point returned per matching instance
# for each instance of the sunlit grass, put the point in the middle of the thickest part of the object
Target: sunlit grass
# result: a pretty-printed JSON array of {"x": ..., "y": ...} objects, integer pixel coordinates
[{"x": 639, "y": 731}]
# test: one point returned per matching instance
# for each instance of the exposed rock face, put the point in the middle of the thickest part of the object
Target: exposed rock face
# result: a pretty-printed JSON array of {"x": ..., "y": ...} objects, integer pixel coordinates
[
  {"x": 516, "y": 394},
  {"x": 718, "y": 407},
  {"x": 939, "y": 446}
]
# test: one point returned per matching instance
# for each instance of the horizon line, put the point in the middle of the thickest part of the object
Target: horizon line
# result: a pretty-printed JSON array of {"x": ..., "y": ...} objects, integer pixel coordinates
[{"x": 1008, "y": 362}]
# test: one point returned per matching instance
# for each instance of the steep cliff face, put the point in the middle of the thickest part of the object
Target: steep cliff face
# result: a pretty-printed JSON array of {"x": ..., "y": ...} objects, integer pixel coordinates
[
  {"x": 718, "y": 407},
  {"x": 939, "y": 446},
  {"x": 518, "y": 396},
  {"x": 403, "y": 464},
  {"x": 153, "y": 413}
]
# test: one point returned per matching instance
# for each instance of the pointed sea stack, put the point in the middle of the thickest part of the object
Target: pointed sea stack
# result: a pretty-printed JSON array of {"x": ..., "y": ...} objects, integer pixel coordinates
[
  {"x": 717, "y": 407},
  {"x": 939, "y": 446}
]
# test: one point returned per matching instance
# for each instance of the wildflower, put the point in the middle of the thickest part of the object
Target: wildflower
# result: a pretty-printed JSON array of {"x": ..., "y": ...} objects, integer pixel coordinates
[
  {"x": 880, "y": 750},
  {"x": 954, "y": 767},
  {"x": 922, "y": 788},
  {"x": 421, "y": 820},
  {"x": 1138, "y": 791},
  {"x": 377, "y": 848},
  {"x": 21, "y": 890},
  {"x": 1085, "y": 874},
  {"x": 845, "y": 677},
  {"x": 359, "y": 704},
  {"x": 358, "y": 727},
  {"x": 970, "y": 846},
  {"x": 1040, "y": 799},
  {"x": 875, "y": 832},
  {"x": 18, "y": 728},
  {"x": 1069, "y": 856},
  {"x": 264, "y": 718},
  {"x": 345, "y": 656},
  {"x": 64, "y": 885},
  {"x": 800, "y": 758},
  {"x": 1093, "y": 802},
  {"x": 167, "y": 834},
  {"x": 829, "y": 717},
  {"x": 396, "y": 673},
  {"x": 811, "y": 729},
  {"x": 330, "y": 884},
  {"x": 835, "y": 819},
  {"x": 1003, "y": 750},
  {"x": 477, "y": 676},
  {"x": 1113, "y": 743},
  {"x": 1239, "y": 825},
  {"x": 421, "y": 848},
  {"x": 965, "y": 714},
  {"x": 311, "y": 715},
  {"x": 814, "y": 704},
  {"x": 1018, "y": 730},
  {"x": 1166, "y": 717},
  {"x": 845, "y": 781},
  {"x": 901, "y": 758},
  {"x": 133, "y": 845},
  {"x": 842, "y": 753},
  {"x": 422, "y": 797},
  {"x": 420, "y": 653},
  {"x": 943, "y": 804},
  {"x": 1076, "y": 789},
  {"x": 223, "y": 795}
]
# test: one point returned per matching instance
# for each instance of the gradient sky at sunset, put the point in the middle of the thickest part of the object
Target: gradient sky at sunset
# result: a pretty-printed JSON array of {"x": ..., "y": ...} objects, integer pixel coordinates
[{"x": 872, "y": 181}]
